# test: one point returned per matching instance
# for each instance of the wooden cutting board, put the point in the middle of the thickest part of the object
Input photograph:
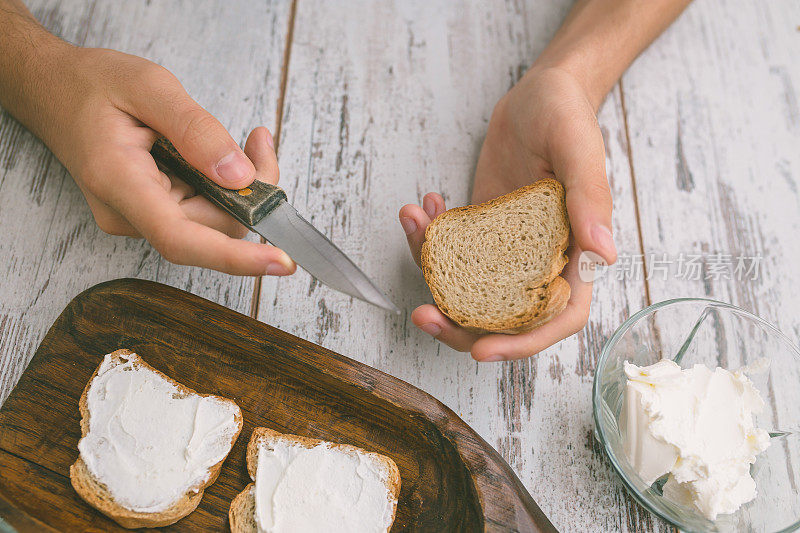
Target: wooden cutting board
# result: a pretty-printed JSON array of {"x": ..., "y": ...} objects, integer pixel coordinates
[{"x": 452, "y": 480}]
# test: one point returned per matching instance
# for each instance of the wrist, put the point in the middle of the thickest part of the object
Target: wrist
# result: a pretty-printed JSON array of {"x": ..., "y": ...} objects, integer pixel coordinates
[
  {"x": 600, "y": 38},
  {"x": 581, "y": 66}
]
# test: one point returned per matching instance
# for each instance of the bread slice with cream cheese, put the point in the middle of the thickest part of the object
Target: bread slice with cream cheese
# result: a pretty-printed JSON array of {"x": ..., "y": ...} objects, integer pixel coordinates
[
  {"x": 305, "y": 484},
  {"x": 494, "y": 267},
  {"x": 149, "y": 446}
]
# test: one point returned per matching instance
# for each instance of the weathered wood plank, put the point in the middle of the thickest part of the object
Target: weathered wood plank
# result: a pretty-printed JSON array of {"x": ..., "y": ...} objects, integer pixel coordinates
[
  {"x": 715, "y": 127},
  {"x": 385, "y": 102},
  {"x": 51, "y": 249}
]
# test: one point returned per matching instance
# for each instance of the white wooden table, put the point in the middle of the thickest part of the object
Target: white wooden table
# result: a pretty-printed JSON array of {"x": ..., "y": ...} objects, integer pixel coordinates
[{"x": 385, "y": 101}]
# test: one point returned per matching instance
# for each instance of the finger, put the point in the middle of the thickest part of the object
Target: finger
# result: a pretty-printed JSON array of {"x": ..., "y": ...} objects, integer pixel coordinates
[
  {"x": 260, "y": 148},
  {"x": 433, "y": 204},
  {"x": 163, "y": 104},
  {"x": 579, "y": 162},
  {"x": 111, "y": 222},
  {"x": 415, "y": 220},
  {"x": 180, "y": 240},
  {"x": 429, "y": 319},
  {"x": 185, "y": 242},
  {"x": 571, "y": 320},
  {"x": 106, "y": 218},
  {"x": 179, "y": 190},
  {"x": 188, "y": 243},
  {"x": 200, "y": 210}
]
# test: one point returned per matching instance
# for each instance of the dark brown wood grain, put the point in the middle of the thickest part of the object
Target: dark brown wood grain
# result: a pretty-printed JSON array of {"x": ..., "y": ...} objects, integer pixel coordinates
[
  {"x": 451, "y": 479},
  {"x": 248, "y": 205}
]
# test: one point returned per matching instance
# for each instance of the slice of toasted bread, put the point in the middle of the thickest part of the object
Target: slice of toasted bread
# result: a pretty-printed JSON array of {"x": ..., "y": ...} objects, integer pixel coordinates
[
  {"x": 494, "y": 267},
  {"x": 96, "y": 493},
  {"x": 242, "y": 510}
]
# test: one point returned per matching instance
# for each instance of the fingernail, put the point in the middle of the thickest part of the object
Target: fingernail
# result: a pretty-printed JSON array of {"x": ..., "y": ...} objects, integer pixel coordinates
[
  {"x": 409, "y": 226},
  {"x": 233, "y": 168},
  {"x": 282, "y": 266},
  {"x": 277, "y": 269},
  {"x": 602, "y": 237},
  {"x": 431, "y": 329},
  {"x": 429, "y": 206},
  {"x": 492, "y": 359},
  {"x": 270, "y": 140}
]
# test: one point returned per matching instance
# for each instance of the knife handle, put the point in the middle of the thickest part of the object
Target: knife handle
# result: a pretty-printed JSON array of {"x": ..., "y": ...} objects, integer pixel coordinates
[{"x": 248, "y": 205}]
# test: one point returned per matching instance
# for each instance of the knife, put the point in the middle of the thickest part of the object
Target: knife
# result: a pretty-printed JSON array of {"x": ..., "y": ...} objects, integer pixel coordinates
[{"x": 264, "y": 209}]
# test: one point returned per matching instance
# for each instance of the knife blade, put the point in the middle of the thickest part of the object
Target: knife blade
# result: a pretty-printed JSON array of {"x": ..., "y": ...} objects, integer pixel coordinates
[{"x": 264, "y": 209}]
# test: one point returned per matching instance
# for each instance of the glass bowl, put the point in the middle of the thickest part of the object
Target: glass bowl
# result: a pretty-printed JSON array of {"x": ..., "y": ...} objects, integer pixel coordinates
[{"x": 691, "y": 331}]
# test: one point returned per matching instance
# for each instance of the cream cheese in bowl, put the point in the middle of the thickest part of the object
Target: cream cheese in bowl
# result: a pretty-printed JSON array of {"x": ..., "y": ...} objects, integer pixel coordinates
[
  {"x": 694, "y": 425},
  {"x": 690, "y": 332}
]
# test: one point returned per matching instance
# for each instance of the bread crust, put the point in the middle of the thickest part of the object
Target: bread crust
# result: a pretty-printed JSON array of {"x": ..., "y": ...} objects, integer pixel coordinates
[
  {"x": 242, "y": 512},
  {"x": 97, "y": 495},
  {"x": 243, "y": 505},
  {"x": 551, "y": 288}
]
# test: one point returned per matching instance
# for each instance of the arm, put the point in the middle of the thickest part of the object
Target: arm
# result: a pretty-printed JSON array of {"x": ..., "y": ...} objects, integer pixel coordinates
[
  {"x": 600, "y": 39},
  {"x": 100, "y": 111},
  {"x": 546, "y": 126}
]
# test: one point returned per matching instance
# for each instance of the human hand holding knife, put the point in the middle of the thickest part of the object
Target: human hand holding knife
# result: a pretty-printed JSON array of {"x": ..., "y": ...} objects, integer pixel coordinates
[{"x": 264, "y": 209}]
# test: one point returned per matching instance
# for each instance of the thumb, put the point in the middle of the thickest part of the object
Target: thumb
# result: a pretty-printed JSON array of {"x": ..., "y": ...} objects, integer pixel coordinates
[
  {"x": 199, "y": 137},
  {"x": 579, "y": 163}
]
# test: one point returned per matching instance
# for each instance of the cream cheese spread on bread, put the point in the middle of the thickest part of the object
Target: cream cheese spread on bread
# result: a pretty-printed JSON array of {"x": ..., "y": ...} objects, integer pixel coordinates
[
  {"x": 149, "y": 442},
  {"x": 300, "y": 489}
]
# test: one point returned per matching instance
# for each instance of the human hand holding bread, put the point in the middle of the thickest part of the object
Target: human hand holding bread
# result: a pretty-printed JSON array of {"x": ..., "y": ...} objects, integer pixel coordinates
[{"x": 544, "y": 127}]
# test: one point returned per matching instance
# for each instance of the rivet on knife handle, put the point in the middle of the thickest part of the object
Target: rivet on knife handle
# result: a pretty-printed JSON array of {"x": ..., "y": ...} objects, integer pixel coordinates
[{"x": 249, "y": 205}]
